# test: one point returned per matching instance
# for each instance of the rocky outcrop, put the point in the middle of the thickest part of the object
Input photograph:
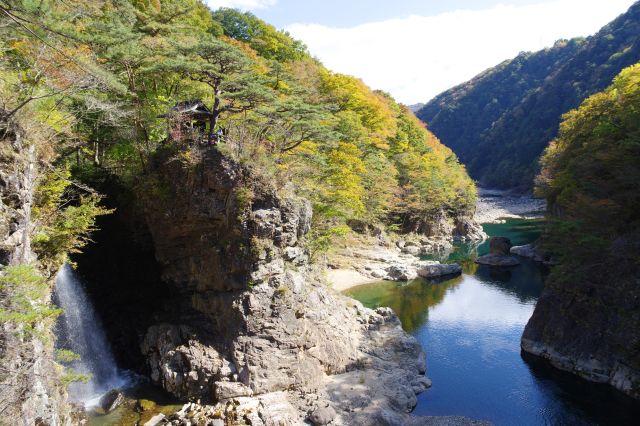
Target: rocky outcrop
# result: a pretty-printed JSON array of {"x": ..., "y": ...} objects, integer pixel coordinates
[
  {"x": 466, "y": 229},
  {"x": 257, "y": 324},
  {"x": 590, "y": 329},
  {"x": 499, "y": 250},
  {"x": 441, "y": 225}
]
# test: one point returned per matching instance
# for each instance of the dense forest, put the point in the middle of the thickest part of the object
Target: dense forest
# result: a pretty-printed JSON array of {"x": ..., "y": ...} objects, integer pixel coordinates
[
  {"x": 589, "y": 179},
  {"x": 500, "y": 122},
  {"x": 95, "y": 79}
]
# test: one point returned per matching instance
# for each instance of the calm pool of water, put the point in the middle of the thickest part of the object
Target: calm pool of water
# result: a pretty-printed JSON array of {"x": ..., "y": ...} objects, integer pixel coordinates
[{"x": 470, "y": 327}]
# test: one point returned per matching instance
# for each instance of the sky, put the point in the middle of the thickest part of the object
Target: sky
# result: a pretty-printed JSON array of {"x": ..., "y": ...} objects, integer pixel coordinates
[{"x": 415, "y": 49}]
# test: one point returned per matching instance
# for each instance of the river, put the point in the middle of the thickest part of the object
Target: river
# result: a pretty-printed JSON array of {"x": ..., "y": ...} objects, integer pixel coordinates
[{"x": 470, "y": 327}]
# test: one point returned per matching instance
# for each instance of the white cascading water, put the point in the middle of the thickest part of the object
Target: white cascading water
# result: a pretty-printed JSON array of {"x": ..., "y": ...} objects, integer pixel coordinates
[{"x": 80, "y": 330}]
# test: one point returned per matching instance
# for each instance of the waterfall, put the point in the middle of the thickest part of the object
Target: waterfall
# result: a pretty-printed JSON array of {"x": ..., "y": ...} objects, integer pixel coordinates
[{"x": 80, "y": 330}]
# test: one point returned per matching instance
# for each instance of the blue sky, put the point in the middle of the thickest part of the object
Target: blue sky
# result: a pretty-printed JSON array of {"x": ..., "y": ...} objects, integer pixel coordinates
[
  {"x": 346, "y": 13},
  {"x": 416, "y": 49}
]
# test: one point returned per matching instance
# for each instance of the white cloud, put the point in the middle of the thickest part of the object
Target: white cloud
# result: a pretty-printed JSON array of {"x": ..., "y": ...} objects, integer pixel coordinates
[
  {"x": 241, "y": 4},
  {"x": 417, "y": 57}
]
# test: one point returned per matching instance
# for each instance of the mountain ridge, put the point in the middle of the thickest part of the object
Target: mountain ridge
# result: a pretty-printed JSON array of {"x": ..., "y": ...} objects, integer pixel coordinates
[{"x": 500, "y": 121}]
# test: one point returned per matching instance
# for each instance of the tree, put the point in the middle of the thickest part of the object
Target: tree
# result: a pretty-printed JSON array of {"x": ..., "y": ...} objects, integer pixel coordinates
[{"x": 227, "y": 71}]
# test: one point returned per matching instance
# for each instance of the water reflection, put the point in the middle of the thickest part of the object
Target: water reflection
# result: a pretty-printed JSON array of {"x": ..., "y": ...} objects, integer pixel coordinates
[
  {"x": 410, "y": 301},
  {"x": 470, "y": 327}
]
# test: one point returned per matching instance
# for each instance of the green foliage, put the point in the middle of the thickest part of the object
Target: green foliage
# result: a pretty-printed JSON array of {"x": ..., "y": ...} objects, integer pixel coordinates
[
  {"x": 262, "y": 37},
  {"x": 354, "y": 152},
  {"x": 589, "y": 177},
  {"x": 70, "y": 376},
  {"x": 66, "y": 355},
  {"x": 322, "y": 238},
  {"x": 500, "y": 121},
  {"x": 23, "y": 296},
  {"x": 65, "y": 216}
]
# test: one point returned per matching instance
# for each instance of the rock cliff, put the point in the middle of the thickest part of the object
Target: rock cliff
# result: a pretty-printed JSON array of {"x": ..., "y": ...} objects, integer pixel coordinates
[
  {"x": 30, "y": 390},
  {"x": 257, "y": 323},
  {"x": 589, "y": 329}
]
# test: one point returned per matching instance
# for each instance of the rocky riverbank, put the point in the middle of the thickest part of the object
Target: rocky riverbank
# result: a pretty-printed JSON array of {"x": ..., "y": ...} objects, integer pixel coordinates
[
  {"x": 494, "y": 205},
  {"x": 350, "y": 267}
]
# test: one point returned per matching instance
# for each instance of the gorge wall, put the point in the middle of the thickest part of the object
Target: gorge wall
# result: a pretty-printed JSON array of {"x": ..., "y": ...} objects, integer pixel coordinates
[
  {"x": 31, "y": 392},
  {"x": 242, "y": 314},
  {"x": 589, "y": 328}
]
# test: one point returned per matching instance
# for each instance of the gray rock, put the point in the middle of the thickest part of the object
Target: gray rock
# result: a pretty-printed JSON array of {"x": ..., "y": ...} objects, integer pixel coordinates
[
  {"x": 401, "y": 272},
  {"x": 421, "y": 384},
  {"x": 322, "y": 416},
  {"x": 468, "y": 230},
  {"x": 413, "y": 250},
  {"x": 430, "y": 269},
  {"x": 293, "y": 253},
  {"x": 183, "y": 361},
  {"x": 527, "y": 250},
  {"x": 155, "y": 420},
  {"x": 497, "y": 260},
  {"x": 111, "y": 400},
  {"x": 499, "y": 246},
  {"x": 226, "y": 390}
]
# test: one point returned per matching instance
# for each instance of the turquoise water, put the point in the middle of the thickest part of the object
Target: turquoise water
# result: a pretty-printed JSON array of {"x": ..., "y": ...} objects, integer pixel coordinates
[{"x": 470, "y": 327}]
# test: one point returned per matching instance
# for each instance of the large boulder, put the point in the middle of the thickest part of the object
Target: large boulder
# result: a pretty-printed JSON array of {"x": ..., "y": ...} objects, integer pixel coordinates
[
  {"x": 499, "y": 250},
  {"x": 500, "y": 246},
  {"x": 322, "y": 416},
  {"x": 432, "y": 269}
]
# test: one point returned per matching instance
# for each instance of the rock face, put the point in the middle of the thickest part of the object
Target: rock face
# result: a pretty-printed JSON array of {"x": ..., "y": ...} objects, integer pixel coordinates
[
  {"x": 30, "y": 392},
  {"x": 499, "y": 249},
  {"x": 255, "y": 324},
  {"x": 577, "y": 329}
]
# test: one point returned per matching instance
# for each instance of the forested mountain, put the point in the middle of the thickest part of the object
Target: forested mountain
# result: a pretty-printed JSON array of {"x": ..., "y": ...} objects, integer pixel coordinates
[
  {"x": 500, "y": 122},
  {"x": 589, "y": 178}
]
